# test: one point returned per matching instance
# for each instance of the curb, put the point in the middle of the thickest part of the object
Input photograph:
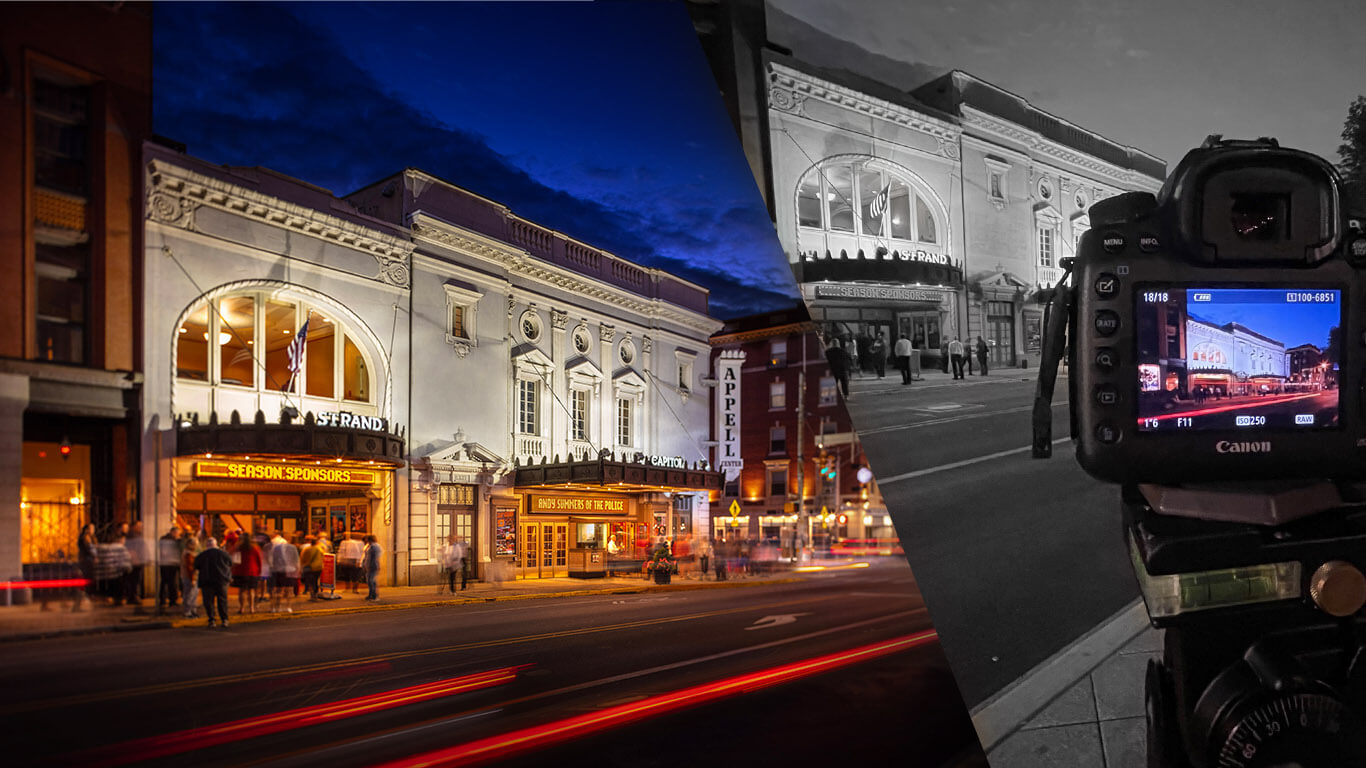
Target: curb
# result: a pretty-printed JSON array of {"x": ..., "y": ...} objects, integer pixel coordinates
[
  {"x": 1011, "y": 707},
  {"x": 366, "y": 608},
  {"x": 136, "y": 626}
]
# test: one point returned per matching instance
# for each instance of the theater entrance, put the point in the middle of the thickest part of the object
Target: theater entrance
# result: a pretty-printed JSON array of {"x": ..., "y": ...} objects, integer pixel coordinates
[{"x": 545, "y": 550}]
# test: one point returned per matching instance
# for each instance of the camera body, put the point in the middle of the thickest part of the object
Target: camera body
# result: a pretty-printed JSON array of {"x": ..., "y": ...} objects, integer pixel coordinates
[{"x": 1212, "y": 337}]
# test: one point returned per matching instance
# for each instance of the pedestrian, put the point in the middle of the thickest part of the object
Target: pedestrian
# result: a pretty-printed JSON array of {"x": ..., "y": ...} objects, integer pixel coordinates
[
  {"x": 168, "y": 568},
  {"x": 370, "y": 563},
  {"x": 878, "y": 351},
  {"x": 956, "y": 357},
  {"x": 838, "y": 361},
  {"x": 460, "y": 562},
  {"x": 944, "y": 354},
  {"x": 189, "y": 597},
  {"x": 214, "y": 567},
  {"x": 704, "y": 550},
  {"x": 246, "y": 574},
  {"x": 284, "y": 573},
  {"x": 136, "y": 546},
  {"x": 348, "y": 558},
  {"x": 311, "y": 566},
  {"x": 903, "y": 350},
  {"x": 86, "y": 548},
  {"x": 982, "y": 351},
  {"x": 851, "y": 349},
  {"x": 112, "y": 567}
]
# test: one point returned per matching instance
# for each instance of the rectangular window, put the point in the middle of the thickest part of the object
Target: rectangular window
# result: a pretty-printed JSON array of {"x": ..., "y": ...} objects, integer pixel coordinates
[
  {"x": 840, "y": 197},
  {"x": 777, "y": 353},
  {"x": 279, "y": 335},
  {"x": 192, "y": 346},
  {"x": 829, "y": 391},
  {"x": 809, "y": 201},
  {"x": 624, "y": 421},
  {"x": 355, "y": 375},
  {"x": 61, "y": 212},
  {"x": 685, "y": 376},
  {"x": 320, "y": 359},
  {"x": 732, "y": 487},
  {"x": 1045, "y": 247},
  {"x": 777, "y": 440},
  {"x": 236, "y": 340},
  {"x": 777, "y": 395},
  {"x": 777, "y": 482},
  {"x": 528, "y": 416},
  {"x": 458, "y": 322},
  {"x": 873, "y": 199},
  {"x": 578, "y": 411}
]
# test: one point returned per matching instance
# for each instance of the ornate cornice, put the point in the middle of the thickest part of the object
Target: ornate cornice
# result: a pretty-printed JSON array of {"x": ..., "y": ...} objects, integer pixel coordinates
[
  {"x": 175, "y": 193},
  {"x": 519, "y": 262},
  {"x": 805, "y": 326},
  {"x": 1045, "y": 147},
  {"x": 789, "y": 89}
]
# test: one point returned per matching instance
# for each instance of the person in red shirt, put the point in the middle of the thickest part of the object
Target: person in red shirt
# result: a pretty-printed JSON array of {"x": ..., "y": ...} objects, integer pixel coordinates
[{"x": 246, "y": 574}]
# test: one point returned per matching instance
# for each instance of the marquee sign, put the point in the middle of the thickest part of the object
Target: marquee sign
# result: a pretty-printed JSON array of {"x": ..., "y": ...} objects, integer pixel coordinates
[
  {"x": 347, "y": 420},
  {"x": 894, "y": 293},
  {"x": 728, "y": 458},
  {"x": 578, "y": 505},
  {"x": 284, "y": 472}
]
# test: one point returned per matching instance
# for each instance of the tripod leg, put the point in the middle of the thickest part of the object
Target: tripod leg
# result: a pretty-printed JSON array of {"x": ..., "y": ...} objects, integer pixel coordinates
[{"x": 1164, "y": 740}]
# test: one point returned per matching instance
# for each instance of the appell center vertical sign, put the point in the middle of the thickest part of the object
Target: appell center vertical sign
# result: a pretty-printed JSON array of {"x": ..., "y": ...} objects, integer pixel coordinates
[{"x": 728, "y": 413}]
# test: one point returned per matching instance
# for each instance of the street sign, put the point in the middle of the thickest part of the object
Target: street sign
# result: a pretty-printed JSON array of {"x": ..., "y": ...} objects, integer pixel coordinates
[{"x": 734, "y": 507}]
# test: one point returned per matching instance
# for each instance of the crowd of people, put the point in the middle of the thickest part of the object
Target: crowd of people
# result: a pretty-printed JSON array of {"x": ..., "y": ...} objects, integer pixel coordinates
[
  {"x": 870, "y": 354},
  {"x": 264, "y": 567}
]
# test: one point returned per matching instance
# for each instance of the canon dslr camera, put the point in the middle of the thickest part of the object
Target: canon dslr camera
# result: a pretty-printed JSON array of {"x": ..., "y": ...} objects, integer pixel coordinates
[{"x": 1217, "y": 372}]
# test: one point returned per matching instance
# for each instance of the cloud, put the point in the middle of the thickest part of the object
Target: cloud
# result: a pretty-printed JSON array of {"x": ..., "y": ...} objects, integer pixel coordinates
[{"x": 250, "y": 84}]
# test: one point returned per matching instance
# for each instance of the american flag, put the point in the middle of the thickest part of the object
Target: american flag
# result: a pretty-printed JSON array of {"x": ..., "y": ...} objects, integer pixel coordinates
[
  {"x": 879, "y": 203},
  {"x": 296, "y": 352}
]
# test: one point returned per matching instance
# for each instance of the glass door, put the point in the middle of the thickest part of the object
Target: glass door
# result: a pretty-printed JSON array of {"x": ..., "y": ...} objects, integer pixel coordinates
[{"x": 531, "y": 551}]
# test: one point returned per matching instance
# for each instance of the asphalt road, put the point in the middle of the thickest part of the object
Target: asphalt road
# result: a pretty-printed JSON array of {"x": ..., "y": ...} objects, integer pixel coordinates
[
  {"x": 1017, "y": 557},
  {"x": 713, "y": 676}
]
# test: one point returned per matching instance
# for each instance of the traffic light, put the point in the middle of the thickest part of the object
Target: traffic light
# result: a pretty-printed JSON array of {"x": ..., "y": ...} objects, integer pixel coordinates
[{"x": 828, "y": 468}]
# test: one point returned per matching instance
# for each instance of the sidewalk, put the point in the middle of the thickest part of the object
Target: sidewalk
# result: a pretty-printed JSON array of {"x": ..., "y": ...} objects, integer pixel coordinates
[
  {"x": 1082, "y": 708},
  {"x": 24, "y": 622},
  {"x": 868, "y": 384}
]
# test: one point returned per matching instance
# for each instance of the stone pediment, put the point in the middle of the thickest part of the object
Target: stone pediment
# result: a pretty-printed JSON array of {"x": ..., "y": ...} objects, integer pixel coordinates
[
  {"x": 582, "y": 366},
  {"x": 466, "y": 452},
  {"x": 1000, "y": 279}
]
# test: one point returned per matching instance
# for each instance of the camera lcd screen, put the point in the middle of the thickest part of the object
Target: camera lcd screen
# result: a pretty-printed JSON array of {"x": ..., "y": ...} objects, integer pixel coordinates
[{"x": 1235, "y": 359}]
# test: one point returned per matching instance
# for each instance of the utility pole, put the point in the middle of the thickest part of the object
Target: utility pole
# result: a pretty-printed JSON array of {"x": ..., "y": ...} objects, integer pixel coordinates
[{"x": 801, "y": 463}]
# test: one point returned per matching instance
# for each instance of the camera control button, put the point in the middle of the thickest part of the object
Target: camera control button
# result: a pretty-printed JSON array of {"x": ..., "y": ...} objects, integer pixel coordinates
[
  {"x": 1107, "y": 322},
  {"x": 1148, "y": 243},
  {"x": 1113, "y": 242},
  {"x": 1107, "y": 433},
  {"x": 1106, "y": 359},
  {"x": 1107, "y": 285},
  {"x": 1106, "y": 395}
]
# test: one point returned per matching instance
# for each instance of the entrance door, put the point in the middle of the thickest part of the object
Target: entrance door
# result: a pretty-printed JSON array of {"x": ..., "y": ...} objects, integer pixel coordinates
[
  {"x": 545, "y": 550},
  {"x": 1001, "y": 333}
]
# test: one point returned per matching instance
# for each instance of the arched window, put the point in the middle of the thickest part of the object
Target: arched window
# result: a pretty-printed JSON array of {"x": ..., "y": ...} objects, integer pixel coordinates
[
  {"x": 867, "y": 198},
  {"x": 268, "y": 342}
]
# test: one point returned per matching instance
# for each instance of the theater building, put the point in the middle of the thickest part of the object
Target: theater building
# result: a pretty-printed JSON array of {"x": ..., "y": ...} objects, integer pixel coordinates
[
  {"x": 248, "y": 271},
  {"x": 936, "y": 206},
  {"x": 779, "y": 422},
  {"x": 558, "y": 417}
]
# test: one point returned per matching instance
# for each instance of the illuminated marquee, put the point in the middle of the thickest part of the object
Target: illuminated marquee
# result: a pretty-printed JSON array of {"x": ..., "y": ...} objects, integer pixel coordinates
[
  {"x": 284, "y": 473},
  {"x": 581, "y": 505}
]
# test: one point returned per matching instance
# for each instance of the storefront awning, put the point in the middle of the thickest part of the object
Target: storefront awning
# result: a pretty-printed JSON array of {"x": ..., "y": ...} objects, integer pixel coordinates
[
  {"x": 608, "y": 474},
  {"x": 288, "y": 439}
]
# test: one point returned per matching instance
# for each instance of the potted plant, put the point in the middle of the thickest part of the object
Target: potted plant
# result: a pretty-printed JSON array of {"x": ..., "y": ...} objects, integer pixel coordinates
[{"x": 661, "y": 565}]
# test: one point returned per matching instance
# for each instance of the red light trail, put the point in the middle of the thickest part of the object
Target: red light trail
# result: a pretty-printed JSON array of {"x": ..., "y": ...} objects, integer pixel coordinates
[
  {"x": 540, "y": 736},
  {"x": 213, "y": 735},
  {"x": 1234, "y": 407}
]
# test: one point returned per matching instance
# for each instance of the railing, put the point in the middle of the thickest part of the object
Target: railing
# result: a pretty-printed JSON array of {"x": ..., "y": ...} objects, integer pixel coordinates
[
  {"x": 534, "y": 238},
  {"x": 584, "y": 257},
  {"x": 1049, "y": 276},
  {"x": 531, "y": 446},
  {"x": 628, "y": 273},
  {"x": 581, "y": 449}
]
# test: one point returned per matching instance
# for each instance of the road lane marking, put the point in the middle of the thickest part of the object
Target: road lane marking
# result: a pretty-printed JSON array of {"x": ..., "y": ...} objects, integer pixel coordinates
[
  {"x": 776, "y": 621},
  {"x": 315, "y": 755},
  {"x": 949, "y": 420},
  {"x": 884, "y": 482},
  {"x": 565, "y": 729},
  {"x": 306, "y": 668}
]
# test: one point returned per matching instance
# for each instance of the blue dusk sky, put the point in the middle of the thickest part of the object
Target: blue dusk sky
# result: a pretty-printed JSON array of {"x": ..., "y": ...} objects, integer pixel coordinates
[
  {"x": 1266, "y": 312},
  {"x": 600, "y": 120}
]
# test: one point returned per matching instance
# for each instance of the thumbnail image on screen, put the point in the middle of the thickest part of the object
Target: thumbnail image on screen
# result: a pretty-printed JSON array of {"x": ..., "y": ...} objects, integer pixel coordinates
[{"x": 1237, "y": 358}]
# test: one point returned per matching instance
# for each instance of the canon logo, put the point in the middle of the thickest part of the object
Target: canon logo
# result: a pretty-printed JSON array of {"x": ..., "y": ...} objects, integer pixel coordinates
[{"x": 1226, "y": 446}]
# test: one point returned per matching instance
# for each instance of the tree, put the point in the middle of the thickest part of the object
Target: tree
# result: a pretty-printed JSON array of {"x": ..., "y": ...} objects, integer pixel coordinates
[{"x": 1353, "y": 153}]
